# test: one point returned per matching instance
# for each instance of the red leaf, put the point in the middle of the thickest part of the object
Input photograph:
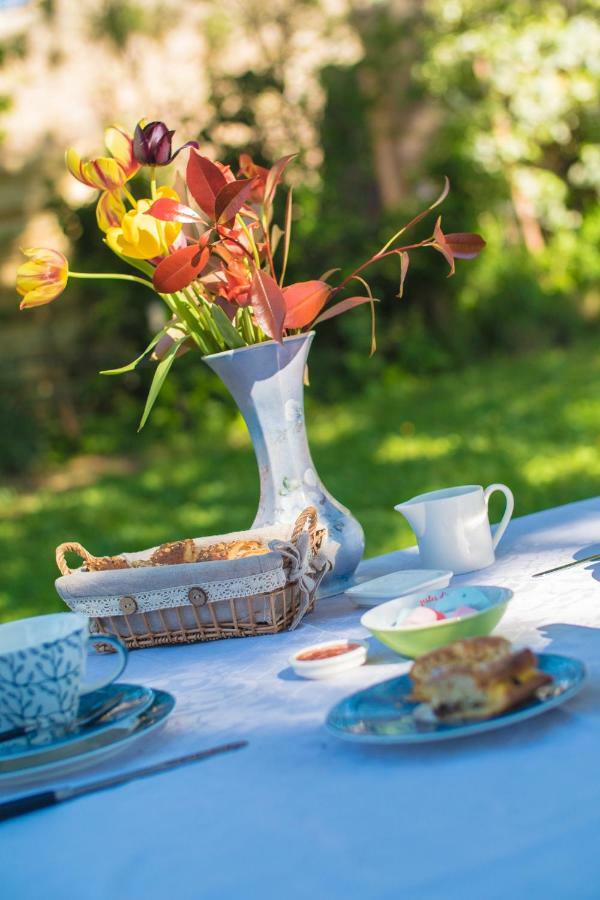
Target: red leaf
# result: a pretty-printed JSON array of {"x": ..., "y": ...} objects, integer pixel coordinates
[
  {"x": 465, "y": 245},
  {"x": 179, "y": 269},
  {"x": 304, "y": 300},
  {"x": 168, "y": 210},
  {"x": 327, "y": 275},
  {"x": 441, "y": 245},
  {"x": 204, "y": 181},
  {"x": 404, "y": 261},
  {"x": 274, "y": 177},
  {"x": 231, "y": 198},
  {"x": 343, "y": 306},
  {"x": 268, "y": 304}
]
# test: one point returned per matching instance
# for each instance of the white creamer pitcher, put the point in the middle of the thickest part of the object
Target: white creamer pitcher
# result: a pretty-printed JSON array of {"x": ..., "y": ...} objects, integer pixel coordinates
[{"x": 453, "y": 528}]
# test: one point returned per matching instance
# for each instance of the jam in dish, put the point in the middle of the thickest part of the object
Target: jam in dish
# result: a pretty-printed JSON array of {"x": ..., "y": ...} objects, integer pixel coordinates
[{"x": 326, "y": 652}]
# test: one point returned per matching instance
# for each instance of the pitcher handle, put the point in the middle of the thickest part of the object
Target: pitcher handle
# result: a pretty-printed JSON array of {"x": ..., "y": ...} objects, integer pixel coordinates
[{"x": 510, "y": 505}]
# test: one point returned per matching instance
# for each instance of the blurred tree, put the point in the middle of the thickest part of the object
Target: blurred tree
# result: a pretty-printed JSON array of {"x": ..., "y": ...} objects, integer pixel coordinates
[{"x": 381, "y": 99}]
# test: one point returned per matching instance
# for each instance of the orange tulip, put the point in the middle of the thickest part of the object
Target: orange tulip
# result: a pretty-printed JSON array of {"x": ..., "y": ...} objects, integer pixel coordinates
[
  {"x": 106, "y": 173},
  {"x": 42, "y": 278}
]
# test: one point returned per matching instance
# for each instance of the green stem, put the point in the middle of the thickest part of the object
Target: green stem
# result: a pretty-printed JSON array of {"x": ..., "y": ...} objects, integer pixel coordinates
[
  {"x": 247, "y": 317},
  {"x": 201, "y": 309},
  {"x": 248, "y": 234},
  {"x": 153, "y": 182},
  {"x": 376, "y": 258},
  {"x": 129, "y": 196},
  {"x": 193, "y": 326},
  {"x": 265, "y": 229},
  {"x": 114, "y": 276}
]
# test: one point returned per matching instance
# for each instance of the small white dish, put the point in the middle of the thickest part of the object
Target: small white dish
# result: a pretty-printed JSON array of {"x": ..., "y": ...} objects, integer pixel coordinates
[
  {"x": 329, "y": 665},
  {"x": 398, "y": 584}
]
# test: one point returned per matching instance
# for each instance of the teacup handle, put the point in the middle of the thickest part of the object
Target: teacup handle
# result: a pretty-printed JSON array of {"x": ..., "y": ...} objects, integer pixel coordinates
[
  {"x": 121, "y": 661},
  {"x": 510, "y": 505}
]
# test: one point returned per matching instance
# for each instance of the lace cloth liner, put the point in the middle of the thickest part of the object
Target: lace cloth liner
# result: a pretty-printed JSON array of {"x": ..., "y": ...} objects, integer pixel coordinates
[{"x": 169, "y": 597}]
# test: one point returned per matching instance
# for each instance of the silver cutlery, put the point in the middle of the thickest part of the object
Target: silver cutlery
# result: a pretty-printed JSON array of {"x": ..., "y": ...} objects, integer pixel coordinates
[
  {"x": 12, "y": 808},
  {"x": 578, "y": 562}
]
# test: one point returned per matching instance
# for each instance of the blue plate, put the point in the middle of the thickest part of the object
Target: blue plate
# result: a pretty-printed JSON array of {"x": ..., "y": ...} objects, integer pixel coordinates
[
  {"x": 135, "y": 700},
  {"x": 381, "y": 714},
  {"x": 93, "y": 748}
]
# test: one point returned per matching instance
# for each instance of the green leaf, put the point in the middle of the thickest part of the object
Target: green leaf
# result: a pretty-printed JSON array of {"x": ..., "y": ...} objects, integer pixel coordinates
[
  {"x": 162, "y": 370},
  {"x": 230, "y": 334},
  {"x": 131, "y": 366}
]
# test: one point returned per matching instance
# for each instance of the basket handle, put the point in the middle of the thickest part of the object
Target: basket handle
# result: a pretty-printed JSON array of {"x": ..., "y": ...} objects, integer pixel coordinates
[
  {"x": 306, "y": 520},
  {"x": 70, "y": 547}
]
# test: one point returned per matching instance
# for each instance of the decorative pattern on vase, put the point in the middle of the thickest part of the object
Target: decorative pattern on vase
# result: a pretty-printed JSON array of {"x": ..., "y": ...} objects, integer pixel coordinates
[{"x": 267, "y": 383}]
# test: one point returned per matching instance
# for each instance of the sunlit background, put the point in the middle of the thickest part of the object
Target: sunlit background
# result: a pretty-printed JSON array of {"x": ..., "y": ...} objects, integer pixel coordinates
[{"x": 490, "y": 376}]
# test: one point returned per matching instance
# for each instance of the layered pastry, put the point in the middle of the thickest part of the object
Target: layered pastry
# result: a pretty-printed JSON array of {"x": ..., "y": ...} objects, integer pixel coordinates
[{"x": 475, "y": 678}]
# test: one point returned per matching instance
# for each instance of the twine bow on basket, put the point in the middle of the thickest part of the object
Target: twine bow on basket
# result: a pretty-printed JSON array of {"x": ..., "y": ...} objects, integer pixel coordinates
[{"x": 304, "y": 568}]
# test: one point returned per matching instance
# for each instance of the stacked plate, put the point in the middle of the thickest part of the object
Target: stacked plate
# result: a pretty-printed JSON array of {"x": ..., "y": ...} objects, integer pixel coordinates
[
  {"x": 398, "y": 584},
  {"x": 108, "y": 720}
]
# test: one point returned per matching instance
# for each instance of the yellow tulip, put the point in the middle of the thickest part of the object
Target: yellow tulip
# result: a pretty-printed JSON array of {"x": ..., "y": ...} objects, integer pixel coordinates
[
  {"x": 141, "y": 236},
  {"x": 110, "y": 210},
  {"x": 106, "y": 173},
  {"x": 42, "y": 278}
]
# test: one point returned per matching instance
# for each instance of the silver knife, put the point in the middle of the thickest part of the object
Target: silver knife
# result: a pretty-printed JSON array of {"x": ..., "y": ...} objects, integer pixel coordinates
[
  {"x": 578, "y": 562},
  {"x": 12, "y": 808}
]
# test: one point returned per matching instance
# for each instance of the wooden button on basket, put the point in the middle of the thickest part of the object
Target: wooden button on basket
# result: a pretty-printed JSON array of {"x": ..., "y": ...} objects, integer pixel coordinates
[{"x": 239, "y": 585}]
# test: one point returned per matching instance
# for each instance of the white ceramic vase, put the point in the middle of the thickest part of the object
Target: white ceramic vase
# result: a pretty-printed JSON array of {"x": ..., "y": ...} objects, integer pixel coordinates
[{"x": 267, "y": 383}]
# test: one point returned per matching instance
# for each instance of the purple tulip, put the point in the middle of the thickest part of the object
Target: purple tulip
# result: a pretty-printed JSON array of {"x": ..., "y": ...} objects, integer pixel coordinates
[{"x": 152, "y": 144}]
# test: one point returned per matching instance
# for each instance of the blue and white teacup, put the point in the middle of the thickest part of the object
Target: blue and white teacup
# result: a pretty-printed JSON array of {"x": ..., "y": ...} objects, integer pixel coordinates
[{"x": 42, "y": 668}]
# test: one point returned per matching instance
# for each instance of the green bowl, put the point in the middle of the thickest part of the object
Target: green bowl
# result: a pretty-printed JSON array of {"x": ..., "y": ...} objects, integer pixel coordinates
[{"x": 416, "y": 641}]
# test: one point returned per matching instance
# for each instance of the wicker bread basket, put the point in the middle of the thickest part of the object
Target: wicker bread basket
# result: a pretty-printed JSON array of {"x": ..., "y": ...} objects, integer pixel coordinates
[{"x": 201, "y": 601}]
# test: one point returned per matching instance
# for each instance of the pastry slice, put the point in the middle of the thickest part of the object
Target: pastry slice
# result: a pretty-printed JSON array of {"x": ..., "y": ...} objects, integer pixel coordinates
[{"x": 475, "y": 678}]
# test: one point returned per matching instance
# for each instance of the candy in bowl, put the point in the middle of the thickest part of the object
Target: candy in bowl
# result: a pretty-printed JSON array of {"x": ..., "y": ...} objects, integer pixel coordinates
[{"x": 415, "y": 624}]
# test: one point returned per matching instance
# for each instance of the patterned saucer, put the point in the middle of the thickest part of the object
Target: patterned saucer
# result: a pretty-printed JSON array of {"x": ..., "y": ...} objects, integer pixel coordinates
[
  {"x": 134, "y": 701},
  {"x": 382, "y": 715},
  {"x": 67, "y": 758}
]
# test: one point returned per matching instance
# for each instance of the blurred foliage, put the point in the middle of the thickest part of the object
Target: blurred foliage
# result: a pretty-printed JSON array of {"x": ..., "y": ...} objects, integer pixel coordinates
[
  {"x": 383, "y": 99},
  {"x": 530, "y": 422}
]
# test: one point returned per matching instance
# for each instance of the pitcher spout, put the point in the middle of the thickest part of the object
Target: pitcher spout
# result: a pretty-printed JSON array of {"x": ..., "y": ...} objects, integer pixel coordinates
[{"x": 414, "y": 513}]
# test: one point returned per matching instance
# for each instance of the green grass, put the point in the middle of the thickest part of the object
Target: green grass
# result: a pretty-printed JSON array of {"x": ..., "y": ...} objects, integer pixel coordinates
[{"x": 531, "y": 422}]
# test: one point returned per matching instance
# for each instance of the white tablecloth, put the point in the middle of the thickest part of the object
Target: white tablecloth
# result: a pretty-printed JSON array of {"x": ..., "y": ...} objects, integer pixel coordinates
[{"x": 299, "y": 814}]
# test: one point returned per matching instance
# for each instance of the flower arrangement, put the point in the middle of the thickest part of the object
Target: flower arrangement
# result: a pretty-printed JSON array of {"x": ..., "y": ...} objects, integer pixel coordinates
[{"x": 211, "y": 251}]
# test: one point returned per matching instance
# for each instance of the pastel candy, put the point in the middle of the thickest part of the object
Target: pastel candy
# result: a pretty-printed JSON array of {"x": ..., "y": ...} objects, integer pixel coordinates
[
  {"x": 463, "y": 611},
  {"x": 402, "y": 616},
  {"x": 421, "y": 616}
]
